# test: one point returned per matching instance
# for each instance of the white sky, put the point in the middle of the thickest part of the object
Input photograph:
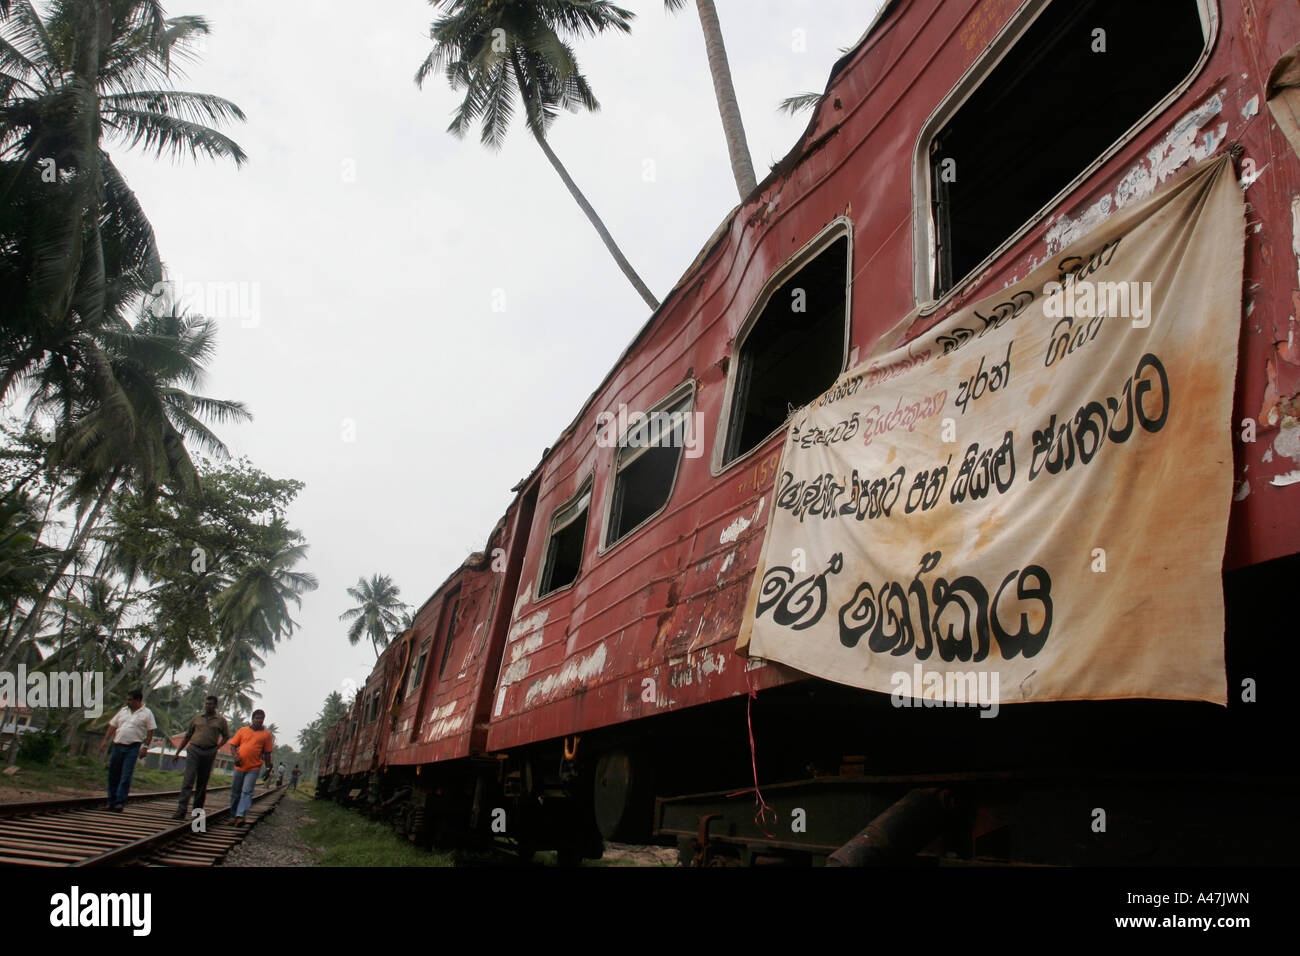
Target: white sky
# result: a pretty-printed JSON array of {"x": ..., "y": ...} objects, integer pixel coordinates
[{"x": 375, "y": 295}]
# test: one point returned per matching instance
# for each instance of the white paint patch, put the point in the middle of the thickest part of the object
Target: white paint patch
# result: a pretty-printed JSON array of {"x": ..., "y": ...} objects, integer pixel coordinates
[
  {"x": 734, "y": 530},
  {"x": 1290, "y": 478},
  {"x": 526, "y": 646},
  {"x": 523, "y": 598},
  {"x": 1267, "y": 456},
  {"x": 1242, "y": 492},
  {"x": 501, "y": 700},
  {"x": 446, "y": 727},
  {"x": 443, "y": 712},
  {"x": 1248, "y": 179},
  {"x": 529, "y": 624},
  {"x": 727, "y": 563},
  {"x": 573, "y": 672},
  {"x": 1295, "y": 233},
  {"x": 1183, "y": 144},
  {"x": 515, "y": 672},
  {"x": 1251, "y": 107},
  {"x": 1287, "y": 442}
]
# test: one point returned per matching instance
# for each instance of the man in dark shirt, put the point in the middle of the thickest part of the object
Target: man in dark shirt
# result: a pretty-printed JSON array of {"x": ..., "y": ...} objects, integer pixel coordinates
[{"x": 207, "y": 734}]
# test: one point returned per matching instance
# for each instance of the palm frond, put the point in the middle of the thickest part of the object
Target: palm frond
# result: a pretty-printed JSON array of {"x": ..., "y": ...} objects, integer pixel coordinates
[
  {"x": 799, "y": 103},
  {"x": 161, "y": 133}
]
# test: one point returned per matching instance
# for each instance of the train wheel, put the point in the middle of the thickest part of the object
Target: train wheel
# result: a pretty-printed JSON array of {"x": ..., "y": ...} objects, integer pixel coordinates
[{"x": 623, "y": 797}]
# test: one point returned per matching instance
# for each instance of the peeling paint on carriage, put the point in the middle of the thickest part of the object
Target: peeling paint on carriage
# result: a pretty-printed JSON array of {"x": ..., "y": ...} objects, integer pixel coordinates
[
  {"x": 575, "y": 672},
  {"x": 647, "y": 627},
  {"x": 1187, "y": 142}
]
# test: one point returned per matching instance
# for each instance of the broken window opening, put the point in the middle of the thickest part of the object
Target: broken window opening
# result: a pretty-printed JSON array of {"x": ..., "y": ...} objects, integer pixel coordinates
[
  {"x": 645, "y": 469},
  {"x": 564, "y": 543},
  {"x": 1073, "y": 84},
  {"x": 793, "y": 351},
  {"x": 450, "y": 637},
  {"x": 417, "y": 673}
]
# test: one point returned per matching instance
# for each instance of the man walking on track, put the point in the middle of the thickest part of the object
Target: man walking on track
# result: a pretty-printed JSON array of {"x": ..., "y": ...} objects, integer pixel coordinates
[
  {"x": 208, "y": 732},
  {"x": 131, "y": 731},
  {"x": 253, "y": 746}
]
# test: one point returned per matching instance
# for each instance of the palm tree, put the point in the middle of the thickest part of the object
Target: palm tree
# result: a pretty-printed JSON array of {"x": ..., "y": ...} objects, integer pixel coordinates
[
  {"x": 75, "y": 246},
  {"x": 252, "y": 612},
  {"x": 131, "y": 422},
  {"x": 497, "y": 50},
  {"x": 378, "y": 615},
  {"x": 238, "y": 688},
  {"x": 742, "y": 167}
]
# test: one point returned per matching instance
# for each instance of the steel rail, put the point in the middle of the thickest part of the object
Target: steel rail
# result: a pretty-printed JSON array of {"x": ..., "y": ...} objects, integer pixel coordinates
[
  {"x": 71, "y": 833},
  {"x": 74, "y": 803},
  {"x": 180, "y": 831}
]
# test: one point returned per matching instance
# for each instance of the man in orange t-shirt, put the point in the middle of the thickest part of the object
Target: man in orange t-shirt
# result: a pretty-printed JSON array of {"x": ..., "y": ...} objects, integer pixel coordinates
[{"x": 253, "y": 745}]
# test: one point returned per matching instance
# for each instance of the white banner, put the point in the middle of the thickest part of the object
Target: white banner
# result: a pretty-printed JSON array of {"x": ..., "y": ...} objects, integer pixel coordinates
[{"x": 1030, "y": 500}]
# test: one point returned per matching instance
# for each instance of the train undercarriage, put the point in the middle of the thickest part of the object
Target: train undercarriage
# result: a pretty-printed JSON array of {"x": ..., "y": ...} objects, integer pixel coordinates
[{"x": 847, "y": 778}]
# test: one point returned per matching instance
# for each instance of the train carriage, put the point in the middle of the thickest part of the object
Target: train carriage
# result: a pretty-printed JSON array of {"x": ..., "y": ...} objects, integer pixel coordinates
[{"x": 587, "y": 681}]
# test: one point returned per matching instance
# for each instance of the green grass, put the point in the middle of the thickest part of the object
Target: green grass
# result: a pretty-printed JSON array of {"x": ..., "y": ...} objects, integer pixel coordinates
[
  {"x": 91, "y": 773},
  {"x": 341, "y": 837}
]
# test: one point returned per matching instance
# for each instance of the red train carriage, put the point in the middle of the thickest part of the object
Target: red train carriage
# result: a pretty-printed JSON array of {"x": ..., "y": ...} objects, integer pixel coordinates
[{"x": 585, "y": 666}]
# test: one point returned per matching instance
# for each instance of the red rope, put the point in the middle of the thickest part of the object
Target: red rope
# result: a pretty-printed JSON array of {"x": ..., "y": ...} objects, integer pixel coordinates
[{"x": 760, "y": 816}]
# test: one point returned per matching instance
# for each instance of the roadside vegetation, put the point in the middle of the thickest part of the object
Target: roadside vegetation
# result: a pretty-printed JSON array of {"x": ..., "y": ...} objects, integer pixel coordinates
[
  {"x": 131, "y": 545},
  {"x": 342, "y": 837}
]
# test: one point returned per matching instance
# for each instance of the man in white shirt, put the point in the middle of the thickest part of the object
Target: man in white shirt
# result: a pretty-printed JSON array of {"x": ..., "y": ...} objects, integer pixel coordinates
[{"x": 131, "y": 731}]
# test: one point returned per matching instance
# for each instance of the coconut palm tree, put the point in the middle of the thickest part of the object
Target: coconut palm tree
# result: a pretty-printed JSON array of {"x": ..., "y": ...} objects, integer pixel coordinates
[
  {"x": 379, "y": 615},
  {"x": 498, "y": 51},
  {"x": 252, "y": 612},
  {"x": 131, "y": 422},
  {"x": 75, "y": 247},
  {"x": 733, "y": 128}
]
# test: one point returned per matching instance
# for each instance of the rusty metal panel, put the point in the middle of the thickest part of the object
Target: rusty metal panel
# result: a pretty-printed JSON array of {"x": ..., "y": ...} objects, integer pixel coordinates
[{"x": 649, "y": 625}]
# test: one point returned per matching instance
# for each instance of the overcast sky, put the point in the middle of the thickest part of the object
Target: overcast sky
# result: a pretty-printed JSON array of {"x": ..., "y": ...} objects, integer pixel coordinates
[{"x": 375, "y": 245}]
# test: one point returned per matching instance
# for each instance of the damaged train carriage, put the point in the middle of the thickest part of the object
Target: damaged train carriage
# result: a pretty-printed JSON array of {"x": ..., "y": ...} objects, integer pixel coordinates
[{"x": 966, "y": 155}]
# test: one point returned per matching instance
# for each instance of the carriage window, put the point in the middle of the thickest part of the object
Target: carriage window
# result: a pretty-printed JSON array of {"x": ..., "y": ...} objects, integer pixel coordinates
[
  {"x": 450, "y": 636},
  {"x": 564, "y": 543},
  {"x": 414, "y": 683},
  {"x": 1073, "y": 84},
  {"x": 646, "y": 467},
  {"x": 793, "y": 351}
]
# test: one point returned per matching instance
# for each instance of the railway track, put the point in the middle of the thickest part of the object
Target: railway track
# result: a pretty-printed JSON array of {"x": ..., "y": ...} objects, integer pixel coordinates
[{"x": 82, "y": 832}]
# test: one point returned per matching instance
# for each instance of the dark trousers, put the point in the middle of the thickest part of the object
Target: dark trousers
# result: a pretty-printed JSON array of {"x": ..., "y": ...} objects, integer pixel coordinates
[
  {"x": 121, "y": 767},
  {"x": 198, "y": 767}
]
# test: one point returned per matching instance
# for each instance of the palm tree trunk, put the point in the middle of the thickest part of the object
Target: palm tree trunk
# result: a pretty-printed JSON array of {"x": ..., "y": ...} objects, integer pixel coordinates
[
  {"x": 742, "y": 167},
  {"x": 610, "y": 244}
]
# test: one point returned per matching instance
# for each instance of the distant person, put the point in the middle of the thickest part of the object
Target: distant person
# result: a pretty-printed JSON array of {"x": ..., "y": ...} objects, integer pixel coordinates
[
  {"x": 131, "y": 731},
  {"x": 293, "y": 777},
  {"x": 208, "y": 733},
  {"x": 279, "y": 775},
  {"x": 253, "y": 745}
]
